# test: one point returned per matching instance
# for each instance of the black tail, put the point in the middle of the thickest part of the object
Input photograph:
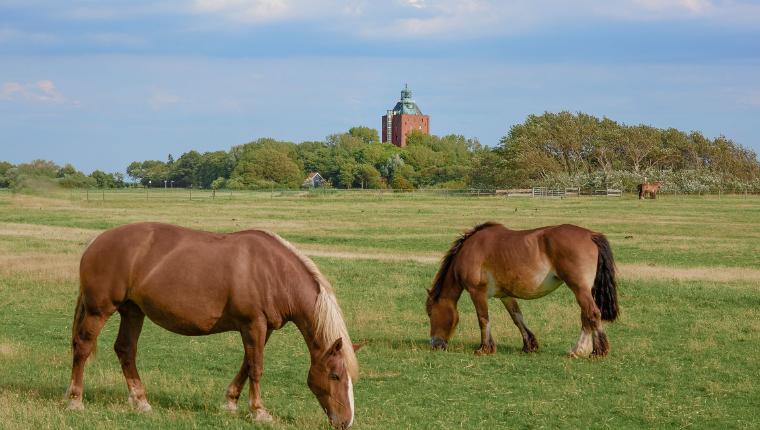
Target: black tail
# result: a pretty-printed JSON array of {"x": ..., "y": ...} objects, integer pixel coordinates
[
  {"x": 79, "y": 314},
  {"x": 605, "y": 284},
  {"x": 638, "y": 189},
  {"x": 448, "y": 259}
]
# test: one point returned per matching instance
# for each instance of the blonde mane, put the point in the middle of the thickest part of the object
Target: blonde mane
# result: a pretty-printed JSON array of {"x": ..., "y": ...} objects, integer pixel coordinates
[{"x": 327, "y": 313}]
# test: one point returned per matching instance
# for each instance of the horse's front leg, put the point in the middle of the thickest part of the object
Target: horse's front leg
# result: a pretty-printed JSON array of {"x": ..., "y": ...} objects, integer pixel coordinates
[
  {"x": 530, "y": 344},
  {"x": 254, "y": 340},
  {"x": 236, "y": 387},
  {"x": 480, "y": 300}
]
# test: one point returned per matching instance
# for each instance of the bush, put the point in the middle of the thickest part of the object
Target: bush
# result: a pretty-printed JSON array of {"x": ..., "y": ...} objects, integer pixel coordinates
[
  {"x": 401, "y": 183},
  {"x": 218, "y": 183},
  {"x": 235, "y": 184}
]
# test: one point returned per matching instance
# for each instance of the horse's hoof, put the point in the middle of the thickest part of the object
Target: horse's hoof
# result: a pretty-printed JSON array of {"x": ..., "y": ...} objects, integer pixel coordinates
[
  {"x": 486, "y": 350},
  {"x": 141, "y": 406},
  {"x": 574, "y": 354},
  {"x": 230, "y": 406},
  {"x": 75, "y": 405},
  {"x": 262, "y": 416}
]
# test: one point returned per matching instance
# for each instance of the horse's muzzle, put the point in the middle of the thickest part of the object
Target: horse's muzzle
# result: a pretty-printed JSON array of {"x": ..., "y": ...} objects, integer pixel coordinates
[
  {"x": 339, "y": 425},
  {"x": 437, "y": 343}
]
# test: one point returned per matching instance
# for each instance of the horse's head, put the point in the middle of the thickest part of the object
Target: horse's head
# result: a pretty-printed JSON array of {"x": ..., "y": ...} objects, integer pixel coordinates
[
  {"x": 330, "y": 381},
  {"x": 444, "y": 317}
]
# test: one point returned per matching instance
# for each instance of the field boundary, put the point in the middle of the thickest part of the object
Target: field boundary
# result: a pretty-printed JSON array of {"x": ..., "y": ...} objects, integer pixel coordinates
[{"x": 190, "y": 194}]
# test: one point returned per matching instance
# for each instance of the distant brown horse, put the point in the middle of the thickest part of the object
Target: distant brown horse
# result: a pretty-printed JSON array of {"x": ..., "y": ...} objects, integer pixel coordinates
[
  {"x": 197, "y": 283},
  {"x": 493, "y": 261},
  {"x": 650, "y": 188}
]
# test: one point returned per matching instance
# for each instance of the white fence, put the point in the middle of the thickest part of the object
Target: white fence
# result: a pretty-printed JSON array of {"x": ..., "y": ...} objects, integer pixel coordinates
[{"x": 558, "y": 192}]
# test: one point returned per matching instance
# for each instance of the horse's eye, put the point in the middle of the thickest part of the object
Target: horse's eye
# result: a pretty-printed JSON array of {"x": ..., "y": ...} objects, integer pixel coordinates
[{"x": 334, "y": 377}]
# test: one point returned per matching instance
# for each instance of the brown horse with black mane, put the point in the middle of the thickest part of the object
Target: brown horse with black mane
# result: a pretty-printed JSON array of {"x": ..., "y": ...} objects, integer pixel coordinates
[
  {"x": 493, "y": 261},
  {"x": 198, "y": 283},
  {"x": 650, "y": 188}
]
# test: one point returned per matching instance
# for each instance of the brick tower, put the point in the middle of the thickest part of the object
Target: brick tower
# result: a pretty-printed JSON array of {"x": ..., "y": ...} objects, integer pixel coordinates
[{"x": 404, "y": 118}]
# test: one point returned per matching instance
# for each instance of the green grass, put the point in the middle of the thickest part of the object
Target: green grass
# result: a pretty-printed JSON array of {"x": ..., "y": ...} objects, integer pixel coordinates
[{"x": 684, "y": 354}]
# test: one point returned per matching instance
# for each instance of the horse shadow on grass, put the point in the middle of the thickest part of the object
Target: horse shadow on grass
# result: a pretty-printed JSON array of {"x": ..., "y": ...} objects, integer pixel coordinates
[
  {"x": 108, "y": 396},
  {"x": 423, "y": 345}
]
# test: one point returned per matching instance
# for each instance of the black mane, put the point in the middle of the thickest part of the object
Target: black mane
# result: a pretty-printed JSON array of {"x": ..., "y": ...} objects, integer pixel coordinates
[{"x": 448, "y": 259}]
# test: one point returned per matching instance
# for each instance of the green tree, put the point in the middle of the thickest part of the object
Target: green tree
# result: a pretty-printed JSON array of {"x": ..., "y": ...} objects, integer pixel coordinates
[
  {"x": 367, "y": 176},
  {"x": 365, "y": 134},
  {"x": 5, "y": 168},
  {"x": 184, "y": 170},
  {"x": 102, "y": 179},
  {"x": 213, "y": 165},
  {"x": 267, "y": 166}
]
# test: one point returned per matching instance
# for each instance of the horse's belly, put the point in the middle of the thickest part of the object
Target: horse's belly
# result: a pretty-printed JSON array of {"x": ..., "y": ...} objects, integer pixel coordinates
[
  {"x": 550, "y": 283},
  {"x": 525, "y": 287},
  {"x": 184, "y": 314}
]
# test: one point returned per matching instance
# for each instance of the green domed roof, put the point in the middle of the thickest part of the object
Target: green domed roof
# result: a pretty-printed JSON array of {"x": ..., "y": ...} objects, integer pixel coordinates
[{"x": 406, "y": 105}]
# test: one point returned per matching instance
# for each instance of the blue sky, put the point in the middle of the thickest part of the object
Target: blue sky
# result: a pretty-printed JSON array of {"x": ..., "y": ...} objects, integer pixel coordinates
[{"x": 100, "y": 84}]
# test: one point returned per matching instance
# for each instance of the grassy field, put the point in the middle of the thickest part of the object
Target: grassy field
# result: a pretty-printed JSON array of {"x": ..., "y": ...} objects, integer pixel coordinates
[{"x": 685, "y": 353}]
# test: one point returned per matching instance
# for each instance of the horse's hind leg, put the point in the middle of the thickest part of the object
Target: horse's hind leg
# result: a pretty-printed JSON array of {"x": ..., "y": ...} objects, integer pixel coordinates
[
  {"x": 480, "y": 300},
  {"x": 530, "y": 344},
  {"x": 132, "y": 318},
  {"x": 593, "y": 340},
  {"x": 87, "y": 326}
]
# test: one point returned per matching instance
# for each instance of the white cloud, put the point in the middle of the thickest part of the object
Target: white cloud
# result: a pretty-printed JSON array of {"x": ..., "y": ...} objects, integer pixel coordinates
[
  {"x": 696, "y": 7},
  {"x": 117, "y": 11},
  {"x": 13, "y": 35},
  {"x": 419, "y": 4},
  {"x": 43, "y": 91},
  {"x": 115, "y": 39},
  {"x": 161, "y": 99},
  {"x": 450, "y": 19},
  {"x": 257, "y": 10}
]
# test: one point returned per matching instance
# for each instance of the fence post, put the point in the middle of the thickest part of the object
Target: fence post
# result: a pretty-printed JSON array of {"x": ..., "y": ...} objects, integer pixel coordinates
[
  {"x": 104, "y": 194},
  {"x": 191, "y": 193},
  {"x": 88, "y": 194}
]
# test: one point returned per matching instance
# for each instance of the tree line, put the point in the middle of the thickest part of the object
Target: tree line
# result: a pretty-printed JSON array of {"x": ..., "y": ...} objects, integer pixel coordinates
[
  {"x": 355, "y": 159},
  {"x": 44, "y": 173},
  {"x": 551, "y": 149}
]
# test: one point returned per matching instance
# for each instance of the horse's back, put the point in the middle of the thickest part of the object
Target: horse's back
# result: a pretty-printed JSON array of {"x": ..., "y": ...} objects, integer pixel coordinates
[
  {"x": 511, "y": 257},
  {"x": 187, "y": 281},
  {"x": 527, "y": 263}
]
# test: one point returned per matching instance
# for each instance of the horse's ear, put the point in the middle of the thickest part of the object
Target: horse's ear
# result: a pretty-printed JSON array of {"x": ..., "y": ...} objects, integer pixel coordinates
[{"x": 336, "y": 347}]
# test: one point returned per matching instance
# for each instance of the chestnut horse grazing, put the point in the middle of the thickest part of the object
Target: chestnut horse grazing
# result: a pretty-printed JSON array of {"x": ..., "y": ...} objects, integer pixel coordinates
[
  {"x": 493, "y": 261},
  {"x": 650, "y": 188},
  {"x": 197, "y": 283}
]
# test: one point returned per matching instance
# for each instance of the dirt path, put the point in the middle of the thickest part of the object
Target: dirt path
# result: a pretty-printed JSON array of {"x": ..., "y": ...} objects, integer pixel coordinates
[{"x": 59, "y": 264}]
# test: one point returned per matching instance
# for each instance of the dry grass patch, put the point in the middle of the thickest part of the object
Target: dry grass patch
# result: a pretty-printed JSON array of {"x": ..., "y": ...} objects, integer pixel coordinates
[
  {"x": 48, "y": 232},
  {"x": 710, "y": 274},
  {"x": 44, "y": 267},
  {"x": 348, "y": 255},
  {"x": 7, "y": 350}
]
